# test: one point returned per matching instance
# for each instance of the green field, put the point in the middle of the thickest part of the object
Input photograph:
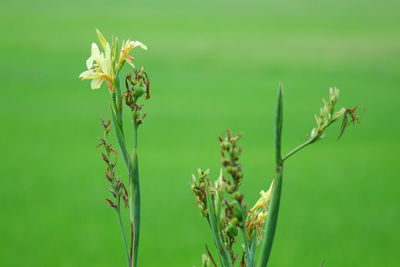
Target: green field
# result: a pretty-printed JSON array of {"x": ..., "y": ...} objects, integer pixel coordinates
[{"x": 214, "y": 65}]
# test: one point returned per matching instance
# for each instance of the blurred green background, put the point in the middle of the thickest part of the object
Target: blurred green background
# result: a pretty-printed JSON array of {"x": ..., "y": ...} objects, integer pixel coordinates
[{"x": 214, "y": 65}]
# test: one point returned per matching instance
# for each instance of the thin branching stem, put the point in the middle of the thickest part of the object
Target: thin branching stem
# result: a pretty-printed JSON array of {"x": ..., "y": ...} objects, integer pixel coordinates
[{"x": 300, "y": 147}]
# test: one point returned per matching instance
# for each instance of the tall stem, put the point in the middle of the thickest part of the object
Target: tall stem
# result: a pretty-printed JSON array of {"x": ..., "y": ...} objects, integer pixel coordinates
[{"x": 134, "y": 197}]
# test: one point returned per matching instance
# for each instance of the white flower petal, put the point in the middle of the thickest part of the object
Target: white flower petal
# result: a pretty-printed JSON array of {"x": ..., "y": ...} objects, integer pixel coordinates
[
  {"x": 86, "y": 74},
  {"x": 129, "y": 62},
  {"x": 95, "y": 54},
  {"x": 95, "y": 49},
  {"x": 140, "y": 44},
  {"x": 96, "y": 83},
  {"x": 89, "y": 62}
]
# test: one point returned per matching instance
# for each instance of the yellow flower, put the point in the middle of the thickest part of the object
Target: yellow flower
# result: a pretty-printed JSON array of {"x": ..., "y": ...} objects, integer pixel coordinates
[
  {"x": 101, "y": 66},
  {"x": 127, "y": 47},
  {"x": 259, "y": 213}
]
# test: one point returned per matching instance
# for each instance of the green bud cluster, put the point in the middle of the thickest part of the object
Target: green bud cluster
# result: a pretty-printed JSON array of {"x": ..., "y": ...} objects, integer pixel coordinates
[
  {"x": 230, "y": 159},
  {"x": 199, "y": 189},
  {"x": 327, "y": 116},
  {"x": 227, "y": 200},
  {"x": 233, "y": 216},
  {"x": 136, "y": 87}
]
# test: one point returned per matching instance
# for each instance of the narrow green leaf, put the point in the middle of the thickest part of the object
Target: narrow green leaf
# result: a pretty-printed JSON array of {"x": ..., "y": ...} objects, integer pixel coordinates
[
  {"x": 273, "y": 210},
  {"x": 120, "y": 138},
  {"x": 272, "y": 219},
  {"x": 278, "y": 126}
]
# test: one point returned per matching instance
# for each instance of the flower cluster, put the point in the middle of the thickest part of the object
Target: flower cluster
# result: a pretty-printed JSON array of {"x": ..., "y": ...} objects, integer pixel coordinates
[
  {"x": 105, "y": 66},
  {"x": 199, "y": 189},
  {"x": 327, "y": 115},
  {"x": 258, "y": 214}
]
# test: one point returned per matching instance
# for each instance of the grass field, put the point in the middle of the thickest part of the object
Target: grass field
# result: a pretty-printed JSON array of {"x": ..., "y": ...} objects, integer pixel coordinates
[{"x": 214, "y": 65}]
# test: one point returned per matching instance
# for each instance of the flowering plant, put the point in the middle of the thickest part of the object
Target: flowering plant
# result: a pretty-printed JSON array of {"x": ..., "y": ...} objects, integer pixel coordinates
[{"x": 105, "y": 66}]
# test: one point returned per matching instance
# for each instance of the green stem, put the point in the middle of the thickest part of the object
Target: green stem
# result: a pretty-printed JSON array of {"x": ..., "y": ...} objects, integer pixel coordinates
[
  {"x": 272, "y": 220},
  {"x": 120, "y": 136},
  {"x": 248, "y": 243},
  {"x": 251, "y": 250},
  {"x": 118, "y": 101},
  {"x": 310, "y": 141},
  {"x": 121, "y": 224},
  {"x": 134, "y": 196},
  {"x": 215, "y": 230}
]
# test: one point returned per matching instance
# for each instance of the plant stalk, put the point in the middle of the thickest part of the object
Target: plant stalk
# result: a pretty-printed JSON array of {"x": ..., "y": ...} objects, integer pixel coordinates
[
  {"x": 310, "y": 141},
  {"x": 215, "y": 230},
  {"x": 134, "y": 196},
  {"x": 121, "y": 224}
]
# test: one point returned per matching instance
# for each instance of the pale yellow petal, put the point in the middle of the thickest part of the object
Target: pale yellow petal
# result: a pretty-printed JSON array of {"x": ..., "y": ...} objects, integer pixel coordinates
[
  {"x": 103, "y": 41},
  {"x": 86, "y": 74},
  {"x": 93, "y": 57},
  {"x": 140, "y": 44},
  {"x": 95, "y": 50},
  {"x": 96, "y": 83},
  {"x": 90, "y": 74},
  {"x": 129, "y": 62},
  {"x": 89, "y": 62}
]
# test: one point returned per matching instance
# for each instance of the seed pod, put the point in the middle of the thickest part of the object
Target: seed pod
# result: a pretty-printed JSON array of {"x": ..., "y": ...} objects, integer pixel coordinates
[
  {"x": 229, "y": 189},
  {"x": 237, "y": 211},
  {"x": 139, "y": 91},
  {"x": 236, "y": 195},
  {"x": 234, "y": 221},
  {"x": 231, "y": 230}
]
